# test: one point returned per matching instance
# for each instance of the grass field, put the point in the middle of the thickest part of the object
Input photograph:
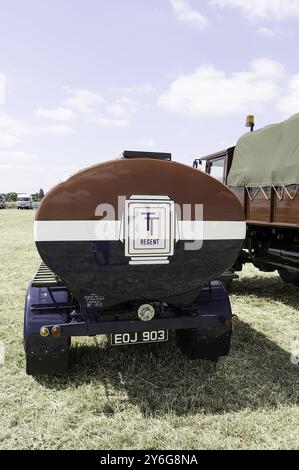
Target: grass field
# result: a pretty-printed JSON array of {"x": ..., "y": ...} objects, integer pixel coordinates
[{"x": 151, "y": 397}]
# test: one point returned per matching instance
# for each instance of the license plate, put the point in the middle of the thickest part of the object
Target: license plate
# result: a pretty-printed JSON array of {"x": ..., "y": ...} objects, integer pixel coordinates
[{"x": 155, "y": 336}]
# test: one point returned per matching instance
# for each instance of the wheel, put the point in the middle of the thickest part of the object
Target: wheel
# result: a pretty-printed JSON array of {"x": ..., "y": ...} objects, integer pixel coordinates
[
  {"x": 288, "y": 276},
  {"x": 194, "y": 345}
]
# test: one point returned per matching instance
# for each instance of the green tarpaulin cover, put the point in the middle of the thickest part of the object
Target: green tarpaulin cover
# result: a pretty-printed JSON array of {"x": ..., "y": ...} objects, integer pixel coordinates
[{"x": 267, "y": 157}]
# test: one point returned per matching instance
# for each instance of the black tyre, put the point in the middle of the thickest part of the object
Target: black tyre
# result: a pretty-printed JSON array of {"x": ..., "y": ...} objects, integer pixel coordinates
[
  {"x": 288, "y": 276},
  {"x": 195, "y": 346}
]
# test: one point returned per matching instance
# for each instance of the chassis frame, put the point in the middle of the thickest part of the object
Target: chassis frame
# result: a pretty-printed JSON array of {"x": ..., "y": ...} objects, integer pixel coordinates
[{"x": 49, "y": 304}]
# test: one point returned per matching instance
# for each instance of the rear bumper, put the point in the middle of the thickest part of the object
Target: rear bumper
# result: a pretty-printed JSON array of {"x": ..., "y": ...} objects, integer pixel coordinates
[
  {"x": 214, "y": 325},
  {"x": 211, "y": 314}
]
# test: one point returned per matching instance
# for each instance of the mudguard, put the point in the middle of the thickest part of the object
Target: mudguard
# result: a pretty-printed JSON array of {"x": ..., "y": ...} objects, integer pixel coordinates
[{"x": 45, "y": 355}]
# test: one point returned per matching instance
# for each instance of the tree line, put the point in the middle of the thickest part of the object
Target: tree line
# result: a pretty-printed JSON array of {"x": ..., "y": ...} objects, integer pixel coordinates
[{"x": 36, "y": 197}]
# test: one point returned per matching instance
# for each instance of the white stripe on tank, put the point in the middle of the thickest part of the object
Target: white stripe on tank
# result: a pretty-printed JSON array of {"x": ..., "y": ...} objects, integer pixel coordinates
[{"x": 110, "y": 230}]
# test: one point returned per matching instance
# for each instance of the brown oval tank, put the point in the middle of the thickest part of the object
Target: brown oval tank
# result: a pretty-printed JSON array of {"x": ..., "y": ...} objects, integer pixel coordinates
[{"x": 139, "y": 229}]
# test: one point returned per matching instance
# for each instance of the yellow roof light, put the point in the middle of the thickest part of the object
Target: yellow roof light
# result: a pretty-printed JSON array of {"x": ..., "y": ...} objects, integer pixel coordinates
[{"x": 250, "y": 121}]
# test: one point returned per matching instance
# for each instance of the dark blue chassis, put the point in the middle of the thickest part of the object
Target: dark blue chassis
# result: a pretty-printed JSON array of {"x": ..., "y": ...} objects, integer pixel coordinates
[{"x": 53, "y": 306}]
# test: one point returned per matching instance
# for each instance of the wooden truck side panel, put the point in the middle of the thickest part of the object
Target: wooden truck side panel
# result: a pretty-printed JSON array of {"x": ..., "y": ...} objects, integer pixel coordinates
[
  {"x": 277, "y": 206},
  {"x": 272, "y": 206}
]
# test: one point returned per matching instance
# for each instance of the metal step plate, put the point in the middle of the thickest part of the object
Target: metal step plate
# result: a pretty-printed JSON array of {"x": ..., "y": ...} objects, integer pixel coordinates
[{"x": 45, "y": 277}]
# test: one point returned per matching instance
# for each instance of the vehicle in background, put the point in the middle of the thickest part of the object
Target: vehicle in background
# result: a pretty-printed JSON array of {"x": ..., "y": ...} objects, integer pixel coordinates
[
  {"x": 2, "y": 201},
  {"x": 262, "y": 170},
  {"x": 24, "y": 201}
]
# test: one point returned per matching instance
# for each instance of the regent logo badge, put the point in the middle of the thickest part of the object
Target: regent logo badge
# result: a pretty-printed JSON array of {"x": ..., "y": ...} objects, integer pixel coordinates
[
  {"x": 149, "y": 221},
  {"x": 149, "y": 229}
]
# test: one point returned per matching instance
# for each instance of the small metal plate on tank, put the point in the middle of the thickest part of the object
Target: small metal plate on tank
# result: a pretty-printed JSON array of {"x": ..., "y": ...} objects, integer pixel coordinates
[
  {"x": 155, "y": 336},
  {"x": 149, "y": 229},
  {"x": 92, "y": 301}
]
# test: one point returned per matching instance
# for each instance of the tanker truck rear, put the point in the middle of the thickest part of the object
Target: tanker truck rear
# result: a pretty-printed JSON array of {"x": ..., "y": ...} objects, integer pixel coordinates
[{"x": 133, "y": 248}]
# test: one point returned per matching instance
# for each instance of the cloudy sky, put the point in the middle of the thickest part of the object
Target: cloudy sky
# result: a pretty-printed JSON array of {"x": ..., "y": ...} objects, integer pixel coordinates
[{"x": 82, "y": 80}]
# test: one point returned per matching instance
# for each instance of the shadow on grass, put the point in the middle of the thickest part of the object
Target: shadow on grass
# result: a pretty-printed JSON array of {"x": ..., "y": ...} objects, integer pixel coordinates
[
  {"x": 159, "y": 380},
  {"x": 273, "y": 288}
]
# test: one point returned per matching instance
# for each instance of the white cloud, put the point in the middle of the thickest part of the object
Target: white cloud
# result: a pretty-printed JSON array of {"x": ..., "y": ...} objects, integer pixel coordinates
[
  {"x": 14, "y": 126},
  {"x": 123, "y": 107},
  {"x": 145, "y": 89},
  {"x": 58, "y": 114},
  {"x": 20, "y": 167},
  {"x": 2, "y": 87},
  {"x": 113, "y": 110},
  {"x": 129, "y": 103},
  {"x": 266, "y": 31},
  {"x": 211, "y": 92},
  {"x": 12, "y": 130},
  {"x": 58, "y": 129},
  {"x": 84, "y": 101},
  {"x": 9, "y": 156},
  {"x": 117, "y": 110},
  {"x": 10, "y": 160},
  {"x": 263, "y": 9},
  {"x": 289, "y": 103},
  {"x": 108, "y": 122},
  {"x": 8, "y": 140},
  {"x": 147, "y": 143},
  {"x": 185, "y": 13}
]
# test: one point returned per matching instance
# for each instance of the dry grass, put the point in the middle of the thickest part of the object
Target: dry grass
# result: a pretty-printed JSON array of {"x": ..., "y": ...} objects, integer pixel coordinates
[{"x": 151, "y": 397}]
